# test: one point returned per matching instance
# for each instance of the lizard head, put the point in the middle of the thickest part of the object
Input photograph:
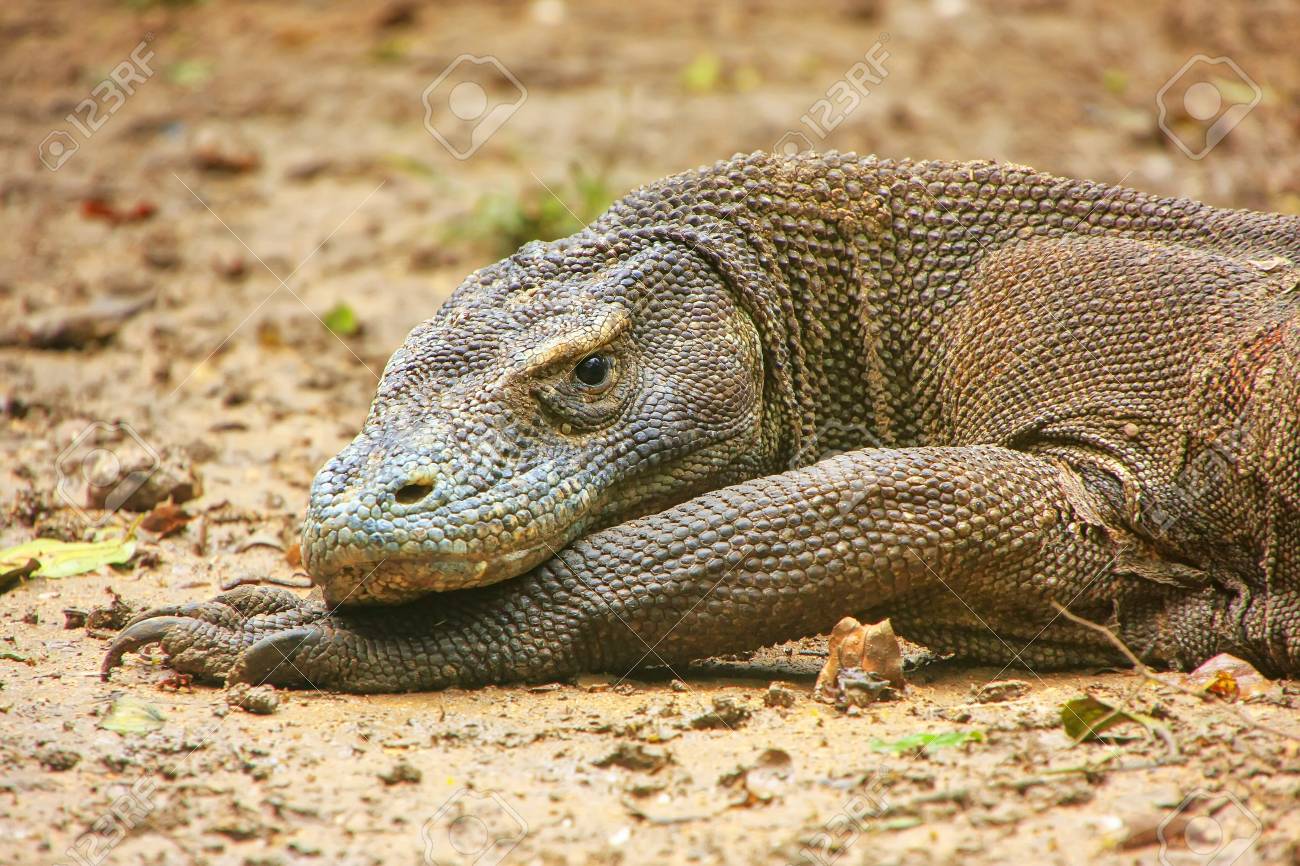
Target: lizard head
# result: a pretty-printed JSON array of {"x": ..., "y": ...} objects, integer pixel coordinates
[{"x": 572, "y": 386}]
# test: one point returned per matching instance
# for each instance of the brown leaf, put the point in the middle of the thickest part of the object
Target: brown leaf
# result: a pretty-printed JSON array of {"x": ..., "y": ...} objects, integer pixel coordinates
[
  {"x": 862, "y": 659},
  {"x": 98, "y": 208},
  {"x": 165, "y": 519}
]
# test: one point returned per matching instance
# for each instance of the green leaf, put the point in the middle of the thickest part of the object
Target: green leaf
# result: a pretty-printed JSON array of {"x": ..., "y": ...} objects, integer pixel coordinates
[
  {"x": 342, "y": 320},
  {"x": 192, "y": 74},
  {"x": 67, "y": 558},
  {"x": 928, "y": 743},
  {"x": 1086, "y": 719},
  {"x": 391, "y": 50},
  {"x": 1115, "y": 80},
  {"x": 503, "y": 222},
  {"x": 904, "y": 823},
  {"x": 131, "y": 716},
  {"x": 411, "y": 165},
  {"x": 703, "y": 73}
]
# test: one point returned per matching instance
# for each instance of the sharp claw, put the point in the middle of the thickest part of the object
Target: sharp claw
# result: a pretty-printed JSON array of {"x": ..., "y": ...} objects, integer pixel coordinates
[
  {"x": 257, "y": 663},
  {"x": 137, "y": 634},
  {"x": 167, "y": 610}
]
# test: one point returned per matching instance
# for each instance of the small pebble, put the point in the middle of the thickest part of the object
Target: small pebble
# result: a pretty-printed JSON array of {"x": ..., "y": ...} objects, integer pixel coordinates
[
  {"x": 58, "y": 760},
  {"x": 75, "y": 617},
  {"x": 779, "y": 695},
  {"x": 401, "y": 773},
  {"x": 261, "y": 700},
  {"x": 1000, "y": 690},
  {"x": 727, "y": 712},
  {"x": 223, "y": 151}
]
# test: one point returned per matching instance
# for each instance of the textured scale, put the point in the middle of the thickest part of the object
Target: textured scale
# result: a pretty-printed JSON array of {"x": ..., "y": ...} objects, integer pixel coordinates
[{"x": 950, "y": 393}]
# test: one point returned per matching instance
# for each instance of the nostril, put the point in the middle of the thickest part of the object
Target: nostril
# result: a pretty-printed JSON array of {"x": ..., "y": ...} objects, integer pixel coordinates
[{"x": 412, "y": 493}]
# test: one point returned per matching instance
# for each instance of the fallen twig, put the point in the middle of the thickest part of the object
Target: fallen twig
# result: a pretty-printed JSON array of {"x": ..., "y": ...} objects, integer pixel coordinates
[
  {"x": 298, "y": 580},
  {"x": 1143, "y": 670},
  {"x": 1051, "y": 775}
]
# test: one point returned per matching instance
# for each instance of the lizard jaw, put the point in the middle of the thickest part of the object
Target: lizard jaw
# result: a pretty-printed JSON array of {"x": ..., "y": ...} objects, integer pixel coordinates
[{"x": 357, "y": 578}]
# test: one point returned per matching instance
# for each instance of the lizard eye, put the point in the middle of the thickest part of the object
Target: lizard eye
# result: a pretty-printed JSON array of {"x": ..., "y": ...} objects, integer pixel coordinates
[{"x": 593, "y": 371}]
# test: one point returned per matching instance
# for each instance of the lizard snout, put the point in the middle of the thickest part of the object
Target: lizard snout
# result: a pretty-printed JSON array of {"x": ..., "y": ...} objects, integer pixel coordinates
[{"x": 394, "y": 518}]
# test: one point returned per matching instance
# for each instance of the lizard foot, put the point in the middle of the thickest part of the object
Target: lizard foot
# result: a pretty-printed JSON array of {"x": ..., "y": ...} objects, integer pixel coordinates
[
  {"x": 229, "y": 638},
  {"x": 260, "y": 635}
]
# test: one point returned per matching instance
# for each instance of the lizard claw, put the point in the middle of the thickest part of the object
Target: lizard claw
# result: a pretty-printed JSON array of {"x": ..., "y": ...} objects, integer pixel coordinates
[
  {"x": 139, "y": 632},
  {"x": 168, "y": 610},
  {"x": 270, "y": 660},
  {"x": 257, "y": 635},
  {"x": 207, "y": 639}
]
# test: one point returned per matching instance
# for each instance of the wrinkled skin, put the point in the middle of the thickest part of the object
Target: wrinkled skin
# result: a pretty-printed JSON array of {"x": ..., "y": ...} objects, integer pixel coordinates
[
  {"x": 755, "y": 398},
  {"x": 483, "y": 455}
]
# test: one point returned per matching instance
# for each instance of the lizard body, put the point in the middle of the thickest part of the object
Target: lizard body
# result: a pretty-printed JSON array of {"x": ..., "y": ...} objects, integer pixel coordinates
[{"x": 756, "y": 397}]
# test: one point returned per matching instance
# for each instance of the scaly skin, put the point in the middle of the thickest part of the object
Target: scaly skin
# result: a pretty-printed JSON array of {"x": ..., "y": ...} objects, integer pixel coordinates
[{"x": 950, "y": 393}]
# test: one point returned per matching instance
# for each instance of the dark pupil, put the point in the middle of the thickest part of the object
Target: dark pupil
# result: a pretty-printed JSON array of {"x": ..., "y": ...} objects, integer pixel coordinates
[{"x": 593, "y": 370}]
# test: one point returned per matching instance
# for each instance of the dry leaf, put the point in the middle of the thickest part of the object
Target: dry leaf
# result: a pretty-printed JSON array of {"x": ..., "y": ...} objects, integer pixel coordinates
[
  {"x": 165, "y": 519},
  {"x": 1229, "y": 678},
  {"x": 864, "y": 664},
  {"x": 131, "y": 716},
  {"x": 66, "y": 558}
]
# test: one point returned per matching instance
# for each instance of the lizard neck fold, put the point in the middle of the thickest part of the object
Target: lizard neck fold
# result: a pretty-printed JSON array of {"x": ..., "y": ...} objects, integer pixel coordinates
[{"x": 809, "y": 278}]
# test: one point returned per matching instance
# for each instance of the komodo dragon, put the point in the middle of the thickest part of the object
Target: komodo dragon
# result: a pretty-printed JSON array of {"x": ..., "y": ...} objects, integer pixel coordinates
[{"x": 753, "y": 398}]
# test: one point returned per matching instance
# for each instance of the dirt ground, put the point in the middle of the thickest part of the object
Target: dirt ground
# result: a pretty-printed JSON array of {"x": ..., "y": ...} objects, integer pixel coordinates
[{"x": 266, "y": 170}]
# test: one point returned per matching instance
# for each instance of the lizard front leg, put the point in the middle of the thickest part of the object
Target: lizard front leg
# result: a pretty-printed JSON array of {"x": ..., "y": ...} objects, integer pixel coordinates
[{"x": 749, "y": 565}]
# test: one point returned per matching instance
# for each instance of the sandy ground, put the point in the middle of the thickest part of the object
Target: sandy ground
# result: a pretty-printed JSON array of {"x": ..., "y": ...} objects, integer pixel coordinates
[{"x": 271, "y": 162}]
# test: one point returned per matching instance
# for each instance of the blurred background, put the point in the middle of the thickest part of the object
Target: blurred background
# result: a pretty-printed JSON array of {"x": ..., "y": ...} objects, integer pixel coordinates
[
  {"x": 167, "y": 164},
  {"x": 217, "y": 221}
]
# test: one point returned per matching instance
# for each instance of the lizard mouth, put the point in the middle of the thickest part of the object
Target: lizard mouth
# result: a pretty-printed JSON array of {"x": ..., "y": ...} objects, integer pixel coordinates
[
  {"x": 358, "y": 577},
  {"x": 384, "y": 525}
]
